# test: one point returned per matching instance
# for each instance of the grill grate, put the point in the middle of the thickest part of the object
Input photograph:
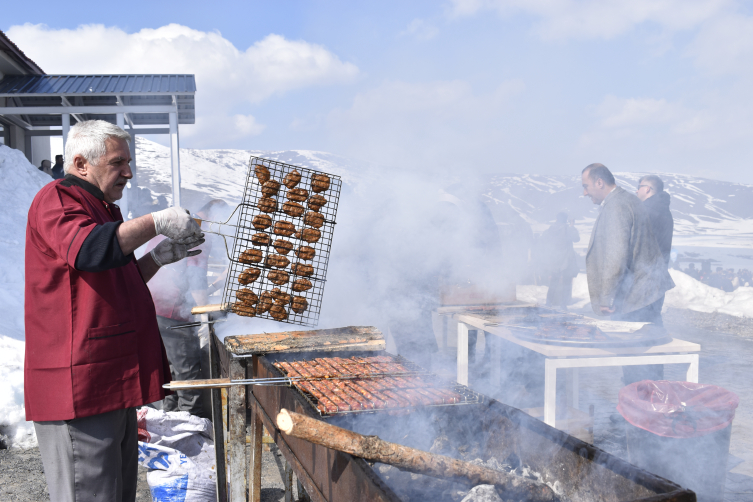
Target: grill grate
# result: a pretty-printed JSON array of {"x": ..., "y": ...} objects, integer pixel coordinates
[
  {"x": 468, "y": 395},
  {"x": 249, "y": 209}
]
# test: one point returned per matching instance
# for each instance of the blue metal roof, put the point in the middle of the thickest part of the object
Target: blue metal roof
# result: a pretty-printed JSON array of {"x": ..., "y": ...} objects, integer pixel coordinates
[{"x": 77, "y": 85}]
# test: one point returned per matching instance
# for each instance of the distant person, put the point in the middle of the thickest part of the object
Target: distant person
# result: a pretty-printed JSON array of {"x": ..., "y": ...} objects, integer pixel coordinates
[
  {"x": 176, "y": 289},
  {"x": 627, "y": 274},
  {"x": 57, "y": 169},
  {"x": 692, "y": 271},
  {"x": 656, "y": 202},
  {"x": 560, "y": 262},
  {"x": 46, "y": 167}
]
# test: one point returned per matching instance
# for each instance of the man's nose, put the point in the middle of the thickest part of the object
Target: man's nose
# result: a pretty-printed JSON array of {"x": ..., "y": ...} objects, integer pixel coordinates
[{"x": 127, "y": 173}]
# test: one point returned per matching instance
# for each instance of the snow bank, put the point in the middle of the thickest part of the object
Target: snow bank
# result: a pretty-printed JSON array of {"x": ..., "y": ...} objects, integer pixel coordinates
[
  {"x": 692, "y": 294},
  {"x": 19, "y": 183},
  {"x": 688, "y": 293}
]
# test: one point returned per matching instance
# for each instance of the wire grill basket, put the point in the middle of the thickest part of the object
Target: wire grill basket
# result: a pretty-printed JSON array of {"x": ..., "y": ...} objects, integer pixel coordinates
[{"x": 271, "y": 272}]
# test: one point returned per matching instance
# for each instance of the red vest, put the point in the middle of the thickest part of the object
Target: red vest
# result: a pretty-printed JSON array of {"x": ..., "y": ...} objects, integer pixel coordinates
[{"x": 92, "y": 341}]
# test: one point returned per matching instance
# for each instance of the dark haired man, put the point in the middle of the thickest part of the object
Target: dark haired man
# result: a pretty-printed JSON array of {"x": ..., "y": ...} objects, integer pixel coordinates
[
  {"x": 627, "y": 275},
  {"x": 57, "y": 169}
]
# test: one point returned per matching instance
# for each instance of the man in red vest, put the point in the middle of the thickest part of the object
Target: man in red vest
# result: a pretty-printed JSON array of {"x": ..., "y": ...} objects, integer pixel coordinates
[{"x": 93, "y": 348}]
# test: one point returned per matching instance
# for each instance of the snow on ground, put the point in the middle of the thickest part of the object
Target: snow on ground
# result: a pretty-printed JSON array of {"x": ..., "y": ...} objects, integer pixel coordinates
[
  {"x": 20, "y": 183},
  {"x": 688, "y": 293}
]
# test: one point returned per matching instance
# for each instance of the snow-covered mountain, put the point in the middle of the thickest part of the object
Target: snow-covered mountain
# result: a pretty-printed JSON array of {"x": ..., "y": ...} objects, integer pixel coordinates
[{"x": 707, "y": 212}]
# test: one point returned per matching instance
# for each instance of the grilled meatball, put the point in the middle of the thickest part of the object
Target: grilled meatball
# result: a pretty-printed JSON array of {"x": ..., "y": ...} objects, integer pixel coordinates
[
  {"x": 275, "y": 260},
  {"x": 316, "y": 202},
  {"x": 284, "y": 228},
  {"x": 270, "y": 188},
  {"x": 282, "y": 246},
  {"x": 309, "y": 234},
  {"x": 299, "y": 304},
  {"x": 305, "y": 253},
  {"x": 292, "y": 209},
  {"x": 247, "y": 296},
  {"x": 319, "y": 182},
  {"x": 292, "y": 179},
  {"x": 267, "y": 205},
  {"x": 244, "y": 309},
  {"x": 262, "y": 173},
  {"x": 265, "y": 303},
  {"x": 298, "y": 194},
  {"x": 314, "y": 219},
  {"x": 278, "y": 312},
  {"x": 249, "y": 275},
  {"x": 302, "y": 269},
  {"x": 261, "y": 222},
  {"x": 261, "y": 239},
  {"x": 300, "y": 285},
  {"x": 278, "y": 277},
  {"x": 280, "y": 296},
  {"x": 250, "y": 256}
]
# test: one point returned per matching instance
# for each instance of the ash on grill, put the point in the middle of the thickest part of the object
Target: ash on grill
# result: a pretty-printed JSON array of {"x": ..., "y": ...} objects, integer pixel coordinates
[
  {"x": 282, "y": 242},
  {"x": 455, "y": 434}
]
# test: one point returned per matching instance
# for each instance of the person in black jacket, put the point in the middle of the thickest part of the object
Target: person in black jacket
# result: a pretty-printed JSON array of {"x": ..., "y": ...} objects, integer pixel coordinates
[
  {"x": 57, "y": 169},
  {"x": 656, "y": 202}
]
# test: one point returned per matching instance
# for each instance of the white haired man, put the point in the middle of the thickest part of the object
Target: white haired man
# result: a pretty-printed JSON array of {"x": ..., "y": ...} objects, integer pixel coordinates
[{"x": 93, "y": 348}]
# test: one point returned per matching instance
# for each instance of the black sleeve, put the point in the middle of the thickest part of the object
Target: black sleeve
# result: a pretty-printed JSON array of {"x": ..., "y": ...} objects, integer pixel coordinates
[{"x": 101, "y": 250}]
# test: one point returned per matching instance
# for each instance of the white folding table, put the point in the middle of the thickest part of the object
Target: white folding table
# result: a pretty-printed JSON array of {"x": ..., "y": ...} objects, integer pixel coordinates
[{"x": 571, "y": 358}]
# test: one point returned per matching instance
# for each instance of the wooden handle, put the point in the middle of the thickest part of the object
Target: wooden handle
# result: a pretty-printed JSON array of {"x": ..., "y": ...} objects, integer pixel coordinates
[
  {"x": 409, "y": 459},
  {"x": 198, "y": 221},
  {"x": 216, "y": 383}
]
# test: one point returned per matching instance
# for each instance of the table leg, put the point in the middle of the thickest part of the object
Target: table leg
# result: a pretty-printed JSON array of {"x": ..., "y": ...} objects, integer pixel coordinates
[
  {"x": 495, "y": 349},
  {"x": 256, "y": 431},
  {"x": 217, "y": 424},
  {"x": 572, "y": 388},
  {"x": 287, "y": 482},
  {"x": 692, "y": 375},
  {"x": 462, "y": 353},
  {"x": 237, "y": 432},
  {"x": 550, "y": 391}
]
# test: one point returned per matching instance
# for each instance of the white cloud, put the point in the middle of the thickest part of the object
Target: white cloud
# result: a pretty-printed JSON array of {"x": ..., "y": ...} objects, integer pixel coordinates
[
  {"x": 226, "y": 78},
  {"x": 421, "y": 30},
  {"x": 423, "y": 125},
  {"x": 584, "y": 19},
  {"x": 724, "y": 46},
  {"x": 635, "y": 112}
]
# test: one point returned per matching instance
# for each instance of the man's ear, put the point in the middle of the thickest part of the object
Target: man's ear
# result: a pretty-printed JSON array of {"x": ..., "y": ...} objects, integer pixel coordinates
[
  {"x": 80, "y": 166},
  {"x": 599, "y": 183}
]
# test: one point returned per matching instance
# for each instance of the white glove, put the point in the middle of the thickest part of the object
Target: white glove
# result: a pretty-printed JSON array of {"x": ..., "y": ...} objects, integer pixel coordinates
[
  {"x": 169, "y": 251},
  {"x": 176, "y": 223}
]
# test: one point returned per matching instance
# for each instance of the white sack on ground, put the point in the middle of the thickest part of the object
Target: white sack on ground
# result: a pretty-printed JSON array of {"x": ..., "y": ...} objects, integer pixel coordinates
[
  {"x": 19, "y": 183},
  {"x": 178, "y": 450}
]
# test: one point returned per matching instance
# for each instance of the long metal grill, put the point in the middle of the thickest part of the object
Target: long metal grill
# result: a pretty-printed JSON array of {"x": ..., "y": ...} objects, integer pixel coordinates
[
  {"x": 467, "y": 396},
  {"x": 251, "y": 208}
]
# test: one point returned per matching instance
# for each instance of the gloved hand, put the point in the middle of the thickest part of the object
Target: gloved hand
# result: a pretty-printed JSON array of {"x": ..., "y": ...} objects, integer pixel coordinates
[
  {"x": 176, "y": 223},
  {"x": 169, "y": 250}
]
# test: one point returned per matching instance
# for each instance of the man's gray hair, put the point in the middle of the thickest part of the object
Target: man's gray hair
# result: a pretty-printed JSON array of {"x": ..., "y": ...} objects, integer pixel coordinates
[
  {"x": 656, "y": 183},
  {"x": 88, "y": 140}
]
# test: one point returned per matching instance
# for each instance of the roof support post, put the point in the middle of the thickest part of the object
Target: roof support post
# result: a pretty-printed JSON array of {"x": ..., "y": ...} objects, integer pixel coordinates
[
  {"x": 66, "y": 119},
  {"x": 175, "y": 157},
  {"x": 124, "y": 206}
]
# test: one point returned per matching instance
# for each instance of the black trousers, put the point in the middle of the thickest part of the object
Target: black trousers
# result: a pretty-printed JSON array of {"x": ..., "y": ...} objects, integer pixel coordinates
[
  {"x": 184, "y": 354},
  {"x": 649, "y": 313}
]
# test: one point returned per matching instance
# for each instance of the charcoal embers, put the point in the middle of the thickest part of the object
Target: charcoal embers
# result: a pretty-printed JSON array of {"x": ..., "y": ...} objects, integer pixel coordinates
[{"x": 482, "y": 493}]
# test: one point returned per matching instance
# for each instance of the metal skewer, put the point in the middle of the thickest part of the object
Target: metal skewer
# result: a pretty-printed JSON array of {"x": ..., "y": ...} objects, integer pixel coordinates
[{"x": 219, "y": 383}]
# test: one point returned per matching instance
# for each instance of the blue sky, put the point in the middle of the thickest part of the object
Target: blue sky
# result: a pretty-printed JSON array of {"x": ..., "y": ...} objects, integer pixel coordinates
[{"x": 540, "y": 86}]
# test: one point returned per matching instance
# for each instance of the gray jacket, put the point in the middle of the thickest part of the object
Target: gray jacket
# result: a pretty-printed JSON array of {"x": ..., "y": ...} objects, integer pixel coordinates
[{"x": 624, "y": 265}]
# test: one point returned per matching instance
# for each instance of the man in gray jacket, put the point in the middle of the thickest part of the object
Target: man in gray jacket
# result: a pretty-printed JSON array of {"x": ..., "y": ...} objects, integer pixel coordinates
[{"x": 627, "y": 275}]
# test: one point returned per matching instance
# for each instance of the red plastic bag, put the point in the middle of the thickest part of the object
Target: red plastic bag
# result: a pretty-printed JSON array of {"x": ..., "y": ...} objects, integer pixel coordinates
[{"x": 677, "y": 409}]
